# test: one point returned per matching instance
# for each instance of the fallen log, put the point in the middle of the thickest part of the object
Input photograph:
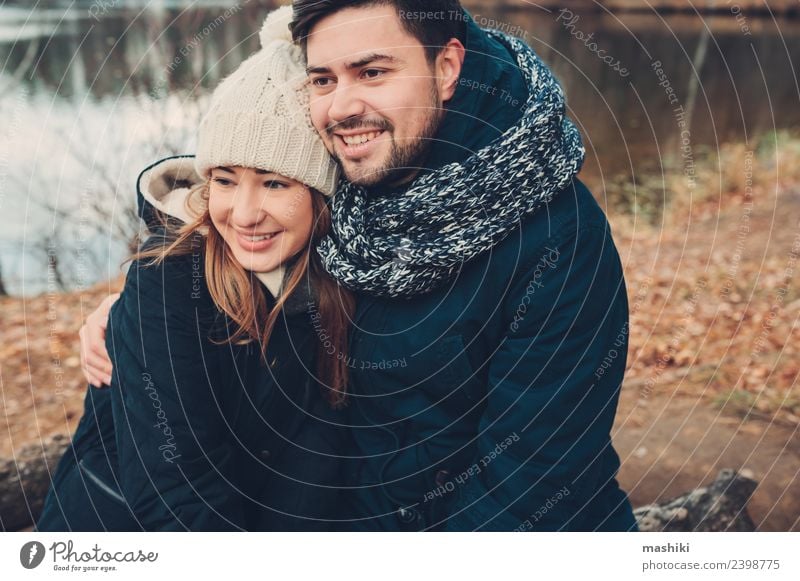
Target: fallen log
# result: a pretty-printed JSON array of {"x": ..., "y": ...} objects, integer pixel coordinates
[
  {"x": 722, "y": 506},
  {"x": 24, "y": 481}
]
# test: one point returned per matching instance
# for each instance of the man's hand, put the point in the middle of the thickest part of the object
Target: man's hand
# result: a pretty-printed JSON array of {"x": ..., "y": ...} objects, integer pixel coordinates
[{"x": 95, "y": 362}]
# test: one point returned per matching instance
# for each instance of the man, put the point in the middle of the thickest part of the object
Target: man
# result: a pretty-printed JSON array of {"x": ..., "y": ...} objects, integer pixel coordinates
[{"x": 491, "y": 330}]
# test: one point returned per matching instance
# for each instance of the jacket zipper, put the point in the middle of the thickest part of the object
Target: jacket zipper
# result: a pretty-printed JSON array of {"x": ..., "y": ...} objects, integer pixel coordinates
[{"x": 99, "y": 483}]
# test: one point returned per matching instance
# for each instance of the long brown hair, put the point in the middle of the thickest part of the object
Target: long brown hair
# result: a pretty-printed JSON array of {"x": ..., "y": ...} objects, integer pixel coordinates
[{"x": 245, "y": 303}]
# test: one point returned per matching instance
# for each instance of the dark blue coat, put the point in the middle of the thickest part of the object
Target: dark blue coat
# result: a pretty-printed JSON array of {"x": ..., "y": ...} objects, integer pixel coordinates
[
  {"x": 196, "y": 435},
  {"x": 488, "y": 404}
]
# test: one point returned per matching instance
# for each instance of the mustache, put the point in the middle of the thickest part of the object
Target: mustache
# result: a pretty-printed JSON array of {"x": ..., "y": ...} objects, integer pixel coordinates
[{"x": 378, "y": 123}]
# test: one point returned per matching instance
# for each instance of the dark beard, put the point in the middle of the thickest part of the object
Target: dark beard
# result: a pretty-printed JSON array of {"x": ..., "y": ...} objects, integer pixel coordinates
[{"x": 405, "y": 160}]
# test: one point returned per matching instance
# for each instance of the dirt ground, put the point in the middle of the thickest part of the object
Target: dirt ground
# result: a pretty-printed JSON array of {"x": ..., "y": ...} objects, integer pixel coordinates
[{"x": 669, "y": 445}]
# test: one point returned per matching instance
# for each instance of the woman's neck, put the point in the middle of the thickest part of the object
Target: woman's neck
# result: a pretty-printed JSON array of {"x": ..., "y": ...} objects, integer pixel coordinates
[{"x": 273, "y": 280}]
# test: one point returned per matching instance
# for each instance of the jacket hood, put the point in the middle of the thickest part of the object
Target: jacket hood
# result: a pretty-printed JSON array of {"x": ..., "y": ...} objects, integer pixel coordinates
[
  {"x": 475, "y": 117},
  {"x": 164, "y": 188}
]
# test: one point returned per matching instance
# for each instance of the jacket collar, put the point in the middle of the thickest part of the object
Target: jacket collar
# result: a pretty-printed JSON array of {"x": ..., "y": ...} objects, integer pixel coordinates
[{"x": 474, "y": 117}]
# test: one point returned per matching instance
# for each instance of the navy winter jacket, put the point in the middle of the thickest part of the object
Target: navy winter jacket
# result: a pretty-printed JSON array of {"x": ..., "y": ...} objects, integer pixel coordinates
[
  {"x": 488, "y": 404},
  {"x": 194, "y": 434}
]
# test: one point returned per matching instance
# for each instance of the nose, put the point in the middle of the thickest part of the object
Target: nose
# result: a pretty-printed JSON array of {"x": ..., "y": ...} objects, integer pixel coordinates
[
  {"x": 248, "y": 208},
  {"x": 345, "y": 103}
]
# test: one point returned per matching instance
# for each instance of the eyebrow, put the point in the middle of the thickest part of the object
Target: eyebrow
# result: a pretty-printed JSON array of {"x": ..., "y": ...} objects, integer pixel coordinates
[
  {"x": 368, "y": 59},
  {"x": 229, "y": 170}
]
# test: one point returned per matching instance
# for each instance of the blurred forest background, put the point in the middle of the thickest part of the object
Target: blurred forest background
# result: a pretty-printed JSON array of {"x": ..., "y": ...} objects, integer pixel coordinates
[{"x": 691, "y": 116}]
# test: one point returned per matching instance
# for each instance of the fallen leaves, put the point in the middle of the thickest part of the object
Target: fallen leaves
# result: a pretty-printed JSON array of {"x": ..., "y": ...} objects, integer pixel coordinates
[{"x": 41, "y": 382}]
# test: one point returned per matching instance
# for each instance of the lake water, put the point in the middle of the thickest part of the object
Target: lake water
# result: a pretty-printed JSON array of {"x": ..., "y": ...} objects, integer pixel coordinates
[{"x": 90, "y": 95}]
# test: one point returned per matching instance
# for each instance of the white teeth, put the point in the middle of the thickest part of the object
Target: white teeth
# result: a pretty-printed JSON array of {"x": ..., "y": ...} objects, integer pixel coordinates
[
  {"x": 359, "y": 139},
  {"x": 260, "y": 238}
]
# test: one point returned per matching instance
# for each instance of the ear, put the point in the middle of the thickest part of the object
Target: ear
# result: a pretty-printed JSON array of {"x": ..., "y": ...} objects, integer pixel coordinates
[{"x": 448, "y": 67}]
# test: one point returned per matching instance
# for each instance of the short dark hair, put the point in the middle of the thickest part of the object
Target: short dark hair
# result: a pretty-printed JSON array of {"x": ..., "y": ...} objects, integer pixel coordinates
[{"x": 432, "y": 22}]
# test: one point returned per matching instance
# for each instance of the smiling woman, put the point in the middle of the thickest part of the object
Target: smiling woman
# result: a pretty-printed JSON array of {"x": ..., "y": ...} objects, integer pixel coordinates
[
  {"x": 224, "y": 409},
  {"x": 265, "y": 218},
  {"x": 261, "y": 223}
]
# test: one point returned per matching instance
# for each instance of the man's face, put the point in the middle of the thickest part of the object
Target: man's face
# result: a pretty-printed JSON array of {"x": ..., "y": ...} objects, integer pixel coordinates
[{"x": 375, "y": 99}]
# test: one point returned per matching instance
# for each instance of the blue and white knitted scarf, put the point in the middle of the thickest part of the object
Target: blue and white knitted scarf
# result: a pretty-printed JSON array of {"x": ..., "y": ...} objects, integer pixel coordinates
[{"x": 413, "y": 242}]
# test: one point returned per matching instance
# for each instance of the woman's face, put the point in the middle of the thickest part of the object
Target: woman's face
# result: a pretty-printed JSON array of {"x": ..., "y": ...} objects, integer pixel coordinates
[{"x": 265, "y": 218}]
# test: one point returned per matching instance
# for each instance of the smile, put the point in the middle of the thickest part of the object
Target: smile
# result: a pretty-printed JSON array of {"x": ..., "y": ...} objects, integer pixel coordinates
[
  {"x": 360, "y": 138},
  {"x": 359, "y": 145},
  {"x": 260, "y": 237},
  {"x": 257, "y": 243}
]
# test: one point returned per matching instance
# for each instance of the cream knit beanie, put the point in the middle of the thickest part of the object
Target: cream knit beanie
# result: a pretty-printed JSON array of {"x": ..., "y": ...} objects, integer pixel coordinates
[{"x": 259, "y": 115}]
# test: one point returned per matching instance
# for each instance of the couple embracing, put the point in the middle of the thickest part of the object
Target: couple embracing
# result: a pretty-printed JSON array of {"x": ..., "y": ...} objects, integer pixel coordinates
[{"x": 377, "y": 298}]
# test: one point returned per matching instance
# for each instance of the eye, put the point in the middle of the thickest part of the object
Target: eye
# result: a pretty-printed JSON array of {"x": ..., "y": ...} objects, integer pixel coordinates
[
  {"x": 222, "y": 181},
  {"x": 321, "y": 82},
  {"x": 371, "y": 74},
  {"x": 275, "y": 185}
]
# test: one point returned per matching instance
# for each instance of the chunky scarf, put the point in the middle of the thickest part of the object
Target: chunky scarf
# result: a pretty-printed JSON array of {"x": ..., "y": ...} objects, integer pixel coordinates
[{"x": 410, "y": 243}]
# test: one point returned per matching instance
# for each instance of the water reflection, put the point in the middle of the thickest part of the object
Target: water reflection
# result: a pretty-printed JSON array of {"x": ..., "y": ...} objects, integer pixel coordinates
[
  {"x": 734, "y": 86},
  {"x": 129, "y": 51},
  {"x": 88, "y": 104}
]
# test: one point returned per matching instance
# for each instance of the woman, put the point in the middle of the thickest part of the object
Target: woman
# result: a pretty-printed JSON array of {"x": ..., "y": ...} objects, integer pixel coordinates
[{"x": 222, "y": 412}]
